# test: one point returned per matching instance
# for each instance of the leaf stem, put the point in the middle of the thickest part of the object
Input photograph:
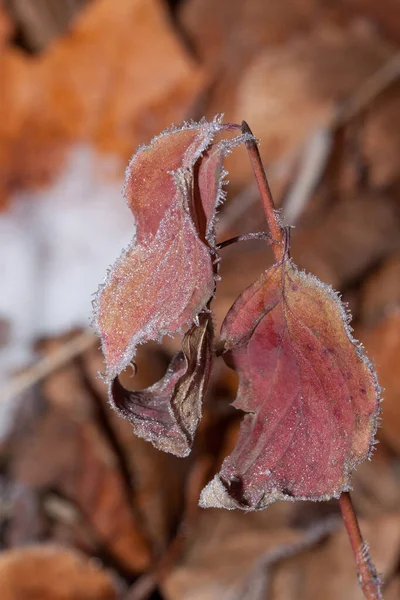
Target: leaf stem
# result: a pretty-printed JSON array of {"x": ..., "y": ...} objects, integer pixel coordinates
[
  {"x": 231, "y": 127},
  {"x": 275, "y": 227},
  {"x": 261, "y": 235},
  {"x": 369, "y": 580}
]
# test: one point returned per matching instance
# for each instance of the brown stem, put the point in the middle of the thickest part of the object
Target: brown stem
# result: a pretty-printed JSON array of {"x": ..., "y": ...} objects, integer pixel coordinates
[
  {"x": 260, "y": 235},
  {"x": 275, "y": 227},
  {"x": 369, "y": 580}
]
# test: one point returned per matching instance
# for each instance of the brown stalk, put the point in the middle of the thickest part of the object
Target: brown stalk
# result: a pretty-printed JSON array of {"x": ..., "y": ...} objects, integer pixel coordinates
[
  {"x": 246, "y": 237},
  {"x": 368, "y": 578},
  {"x": 277, "y": 231}
]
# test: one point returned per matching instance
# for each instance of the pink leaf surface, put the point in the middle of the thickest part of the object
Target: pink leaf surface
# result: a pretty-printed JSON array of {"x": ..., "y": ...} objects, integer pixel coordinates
[
  {"x": 310, "y": 395},
  {"x": 168, "y": 412},
  {"x": 150, "y": 188},
  {"x": 209, "y": 193},
  {"x": 165, "y": 278}
]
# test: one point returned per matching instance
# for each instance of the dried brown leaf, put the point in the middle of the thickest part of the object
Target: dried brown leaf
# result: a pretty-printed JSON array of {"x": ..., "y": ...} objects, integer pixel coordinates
[
  {"x": 56, "y": 452},
  {"x": 289, "y": 90},
  {"x": 383, "y": 344},
  {"x": 50, "y": 572},
  {"x": 98, "y": 83}
]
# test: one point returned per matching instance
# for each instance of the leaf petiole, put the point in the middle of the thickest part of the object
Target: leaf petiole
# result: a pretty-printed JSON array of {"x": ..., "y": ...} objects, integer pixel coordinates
[
  {"x": 261, "y": 235},
  {"x": 277, "y": 231},
  {"x": 369, "y": 579}
]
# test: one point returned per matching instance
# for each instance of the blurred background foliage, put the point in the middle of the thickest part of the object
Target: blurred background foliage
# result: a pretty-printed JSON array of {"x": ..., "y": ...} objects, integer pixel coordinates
[{"x": 88, "y": 511}]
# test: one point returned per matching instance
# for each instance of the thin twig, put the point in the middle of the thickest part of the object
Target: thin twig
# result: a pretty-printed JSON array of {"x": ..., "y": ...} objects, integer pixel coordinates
[
  {"x": 369, "y": 580},
  {"x": 246, "y": 237},
  {"x": 265, "y": 193},
  {"x": 48, "y": 364},
  {"x": 106, "y": 426},
  {"x": 368, "y": 91},
  {"x": 310, "y": 173},
  {"x": 257, "y": 582}
]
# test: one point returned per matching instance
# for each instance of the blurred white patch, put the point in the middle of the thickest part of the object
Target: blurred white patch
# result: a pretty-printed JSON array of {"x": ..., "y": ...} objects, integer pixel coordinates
[{"x": 55, "y": 247}]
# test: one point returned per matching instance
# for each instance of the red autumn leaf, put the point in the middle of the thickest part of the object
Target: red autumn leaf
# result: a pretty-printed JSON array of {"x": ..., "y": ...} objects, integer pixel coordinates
[
  {"x": 165, "y": 278},
  {"x": 310, "y": 395},
  {"x": 208, "y": 193},
  {"x": 168, "y": 412}
]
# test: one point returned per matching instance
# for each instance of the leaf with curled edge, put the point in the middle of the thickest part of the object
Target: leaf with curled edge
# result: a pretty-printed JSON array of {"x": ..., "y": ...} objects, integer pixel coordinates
[
  {"x": 166, "y": 277},
  {"x": 209, "y": 180},
  {"x": 310, "y": 394},
  {"x": 168, "y": 412}
]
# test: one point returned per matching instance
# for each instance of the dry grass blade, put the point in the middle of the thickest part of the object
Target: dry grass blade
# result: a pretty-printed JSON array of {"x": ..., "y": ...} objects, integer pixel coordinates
[
  {"x": 47, "y": 365},
  {"x": 369, "y": 91},
  {"x": 256, "y": 583}
]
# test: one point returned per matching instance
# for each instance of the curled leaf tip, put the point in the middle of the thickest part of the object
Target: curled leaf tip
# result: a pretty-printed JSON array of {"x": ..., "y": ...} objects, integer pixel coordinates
[{"x": 167, "y": 413}]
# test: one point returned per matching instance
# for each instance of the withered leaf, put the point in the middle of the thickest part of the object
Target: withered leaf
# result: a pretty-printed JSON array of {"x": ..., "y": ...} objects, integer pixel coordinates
[
  {"x": 166, "y": 277},
  {"x": 383, "y": 343},
  {"x": 310, "y": 394},
  {"x": 83, "y": 470},
  {"x": 209, "y": 193},
  {"x": 167, "y": 413},
  {"x": 51, "y": 572}
]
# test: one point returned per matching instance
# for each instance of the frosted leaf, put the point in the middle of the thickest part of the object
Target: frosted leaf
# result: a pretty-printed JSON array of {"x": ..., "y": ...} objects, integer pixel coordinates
[
  {"x": 166, "y": 276},
  {"x": 310, "y": 395},
  {"x": 168, "y": 412}
]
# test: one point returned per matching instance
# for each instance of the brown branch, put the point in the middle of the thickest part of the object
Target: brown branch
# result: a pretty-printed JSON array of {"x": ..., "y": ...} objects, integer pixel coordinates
[
  {"x": 275, "y": 227},
  {"x": 256, "y": 584},
  {"x": 48, "y": 364},
  {"x": 246, "y": 237},
  {"x": 368, "y": 577},
  {"x": 370, "y": 89}
]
